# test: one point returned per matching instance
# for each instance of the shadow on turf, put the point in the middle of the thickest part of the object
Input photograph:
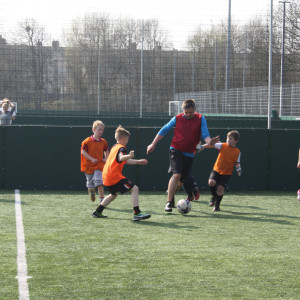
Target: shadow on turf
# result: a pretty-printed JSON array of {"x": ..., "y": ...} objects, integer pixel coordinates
[
  {"x": 244, "y": 206},
  {"x": 224, "y": 214},
  {"x": 253, "y": 217},
  {"x": 169, "y": 225}
]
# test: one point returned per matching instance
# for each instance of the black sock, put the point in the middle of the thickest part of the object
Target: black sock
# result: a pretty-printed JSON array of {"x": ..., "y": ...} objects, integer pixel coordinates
[
  {"x": 213, "y": 190},
  {"x": 136, "y": 210},
  {"x": 218, "y": 200},
  {"x": 100, "y": 209}
]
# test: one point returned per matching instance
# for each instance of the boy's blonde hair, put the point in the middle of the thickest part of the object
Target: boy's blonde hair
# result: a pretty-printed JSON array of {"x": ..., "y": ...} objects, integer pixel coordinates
[
  {"x": 235, "y": 134},
  {"x": 120, "y": 132},
  {"x": 96, "y": 123}
]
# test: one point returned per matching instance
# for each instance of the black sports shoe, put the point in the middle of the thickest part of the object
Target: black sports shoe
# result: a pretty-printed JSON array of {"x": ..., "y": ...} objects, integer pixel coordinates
[
  {"x": 141, "y": 216},
  {"x": 95, "y": 214},
  {"x": 173, "y": 202},
  {"x": 216, "y": 209},
  {"x": 169, "y": 206}
]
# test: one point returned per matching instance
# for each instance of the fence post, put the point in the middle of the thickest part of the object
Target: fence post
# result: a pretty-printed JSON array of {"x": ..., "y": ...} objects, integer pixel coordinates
[
  {"x": 269, "y": 162},
  {"x": 138, "y": 152},
  {"x": 142, "y": 70}
]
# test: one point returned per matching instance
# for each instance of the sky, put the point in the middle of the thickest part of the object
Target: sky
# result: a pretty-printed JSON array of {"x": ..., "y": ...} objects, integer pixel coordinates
[{"x": 179, "y": 18}]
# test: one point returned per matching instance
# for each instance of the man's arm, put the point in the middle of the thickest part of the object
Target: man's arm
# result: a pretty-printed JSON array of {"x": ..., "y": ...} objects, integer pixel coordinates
[
  {"x": 205, "y": 133},
  {"x": 298, "y": 165},
  {"x": 152, "y": 146},
  {"x": 161, "y": 134}
]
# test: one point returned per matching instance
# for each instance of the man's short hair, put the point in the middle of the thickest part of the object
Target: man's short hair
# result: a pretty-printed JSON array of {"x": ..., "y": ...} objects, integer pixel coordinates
[
  {"x": 235, "y": 134},
  {"x": 188, "y": 103}
]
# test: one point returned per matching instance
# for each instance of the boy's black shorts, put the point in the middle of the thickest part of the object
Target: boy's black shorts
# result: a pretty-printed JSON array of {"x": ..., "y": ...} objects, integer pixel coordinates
[
  {"x": 123, "y": 186},
  {"x": 179, "y": 163},
  {"x": 218, "y": 178}
]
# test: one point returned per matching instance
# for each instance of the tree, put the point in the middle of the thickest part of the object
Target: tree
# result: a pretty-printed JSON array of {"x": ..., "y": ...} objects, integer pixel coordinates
[
  {"x": 292, "y": 39},
  {"x": 34, "y": 37},
  {"x": 112, "y": 48}
]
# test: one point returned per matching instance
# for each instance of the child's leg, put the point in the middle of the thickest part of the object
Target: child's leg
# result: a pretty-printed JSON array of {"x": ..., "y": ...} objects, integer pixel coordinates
[
  {"x": 108, "y": 199},
  {"x": 90, "y": 186},
  {"x": 98, "y": 182},
  {"x": 220, "y": 193},
  {"x": 213, "y": 189},
  {"x": 137, "y": 214},
  {"x": 135, "y": 199},
  {"x": 101, "y": 192},
  {"x": 98, "y": 212}
]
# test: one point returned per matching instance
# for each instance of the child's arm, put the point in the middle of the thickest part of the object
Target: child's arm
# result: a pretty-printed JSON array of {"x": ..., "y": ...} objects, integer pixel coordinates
[
  {"x": 123, "y": 157},
  {"x": 200, "y": 147},
  {"x": 238, "y": 166},
  {"x": 137, "y": 161},
  {"x": 87, "y": 156},
  {"x": 105, "y": 155},
  {"x": 130, "y": 161}
]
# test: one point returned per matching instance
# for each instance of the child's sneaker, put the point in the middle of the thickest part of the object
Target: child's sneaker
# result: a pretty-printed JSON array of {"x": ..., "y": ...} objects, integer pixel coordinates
[
  {"x": 92, "y": 194},
  {"x": 168, "y": 207},
  {"x": 95, "y": 214},
  {"x": 141, "y": 216}
]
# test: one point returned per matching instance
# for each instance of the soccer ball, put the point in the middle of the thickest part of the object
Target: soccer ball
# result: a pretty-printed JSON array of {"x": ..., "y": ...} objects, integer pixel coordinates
[{"x": 184, "y": 206}]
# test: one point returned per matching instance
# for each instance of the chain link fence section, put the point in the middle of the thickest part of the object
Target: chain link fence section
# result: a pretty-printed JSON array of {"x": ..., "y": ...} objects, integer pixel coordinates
[{"x": 245, "y": 102}]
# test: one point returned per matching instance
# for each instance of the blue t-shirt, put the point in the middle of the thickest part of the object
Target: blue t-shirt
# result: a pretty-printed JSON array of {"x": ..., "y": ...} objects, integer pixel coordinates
[{"x": 171, "y": 124}]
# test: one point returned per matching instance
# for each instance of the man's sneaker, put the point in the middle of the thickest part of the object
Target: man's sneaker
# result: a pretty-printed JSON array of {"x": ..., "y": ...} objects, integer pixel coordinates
[
  {"x": 168, "y": 207},
  {"x": 92, "y": 194},
  {"x": 173, "y": 202},
  {"x": 216, "y": 209},
  {"x": 190, "y": 197},
  {"x": 95, "y": 214},
  {"x": 212, "y": 201},
  {"x": 141, "y": 216},
  {"x": 196, "y": 193}
]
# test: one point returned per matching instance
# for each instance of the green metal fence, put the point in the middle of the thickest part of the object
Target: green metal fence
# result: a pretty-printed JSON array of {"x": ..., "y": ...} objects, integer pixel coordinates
[{"x": 48, "y": 157}]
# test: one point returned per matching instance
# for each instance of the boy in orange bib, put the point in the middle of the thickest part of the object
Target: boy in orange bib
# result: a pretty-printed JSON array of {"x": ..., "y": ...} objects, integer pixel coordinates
[
  {"x": 94, "y": 151},
  {"x": 115, "y": 181},
  {"x": 228, "y": 158}
]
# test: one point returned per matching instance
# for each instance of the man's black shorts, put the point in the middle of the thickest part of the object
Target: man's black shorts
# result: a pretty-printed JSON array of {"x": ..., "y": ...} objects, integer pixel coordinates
[
  {"x": 179, "y": 163},
  {"x": 218, "y": 178},
  {"x": 123, "y": 186}
]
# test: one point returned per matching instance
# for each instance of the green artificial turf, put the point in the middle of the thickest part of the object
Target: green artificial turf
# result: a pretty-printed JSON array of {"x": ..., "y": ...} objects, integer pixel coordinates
[{"x": 249, "y": 250}]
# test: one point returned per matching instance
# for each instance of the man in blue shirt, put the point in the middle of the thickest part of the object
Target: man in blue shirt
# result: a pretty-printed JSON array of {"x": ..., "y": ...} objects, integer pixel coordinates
[{"x": 189, "y": 128}]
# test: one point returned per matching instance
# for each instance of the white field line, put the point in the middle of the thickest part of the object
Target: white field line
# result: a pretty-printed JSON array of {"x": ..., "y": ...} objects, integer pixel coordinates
[{"x": 21, "y": 257}]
